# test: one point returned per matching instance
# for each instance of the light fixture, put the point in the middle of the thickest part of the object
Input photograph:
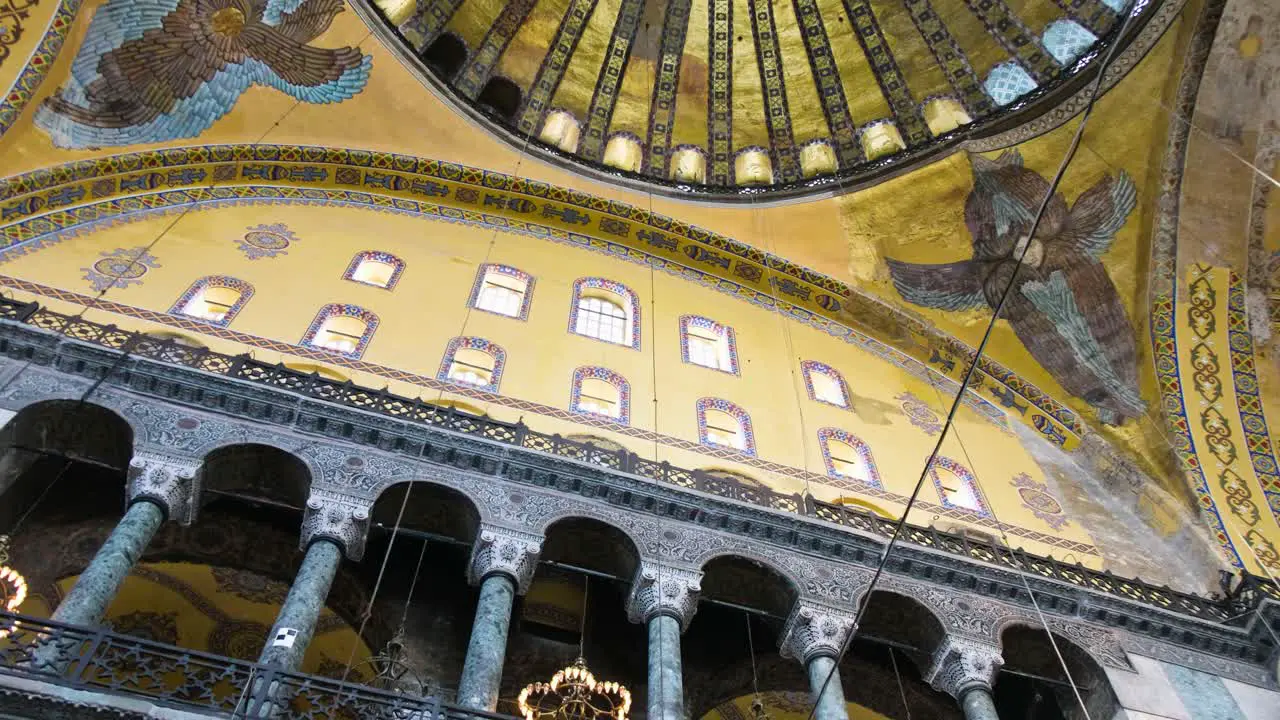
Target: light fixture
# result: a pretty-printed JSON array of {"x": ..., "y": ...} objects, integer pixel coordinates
[
  {"x": 574, "y": 693},
  {"x": 13, "y": 587}
]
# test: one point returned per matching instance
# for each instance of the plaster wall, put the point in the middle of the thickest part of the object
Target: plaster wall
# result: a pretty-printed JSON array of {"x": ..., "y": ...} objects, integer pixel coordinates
[{"x": 1161, "y": 691}]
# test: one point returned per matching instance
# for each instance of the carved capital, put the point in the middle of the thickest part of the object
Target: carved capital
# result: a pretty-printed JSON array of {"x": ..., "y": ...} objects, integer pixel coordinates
[
  {"x": 664, "y": 590},
  {"x": 961, "y": 664},
  {"x": 340, "y": 518},
  {"x": 167, "y": 480},
  {"x": 501, "y": 550},
  {"x": 814, "y": 630}
]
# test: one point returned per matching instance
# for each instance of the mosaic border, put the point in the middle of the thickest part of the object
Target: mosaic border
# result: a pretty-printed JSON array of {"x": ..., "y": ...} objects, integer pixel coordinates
[
  {"x": 666, "y": 86},
  {"x": 341, "y": 310},
  {"x": 39, "y": 62},
  {"x": 601, "y": 373},
  {"x": 720, "y": 91},
  {"x": 826, "y": 77},
  {"x": 888, "y": 76},
  {"x": 724, "y": 330},
  {"x": 612, "y": 70},
  {"x": 1016, "y": 38},
  {"x": 473, "y": 76},
  {"x": 736, "y": 411},
  {"x": 777, "y": 114},
  {"x": 616, "y": 288},
  {"x": 537, "y": 101}
]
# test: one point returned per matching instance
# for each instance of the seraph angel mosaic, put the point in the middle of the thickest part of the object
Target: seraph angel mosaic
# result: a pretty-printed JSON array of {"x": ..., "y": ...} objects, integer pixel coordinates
[
  {"x": 1063, "y": 306},
  {"x": 156, "y": 70}
]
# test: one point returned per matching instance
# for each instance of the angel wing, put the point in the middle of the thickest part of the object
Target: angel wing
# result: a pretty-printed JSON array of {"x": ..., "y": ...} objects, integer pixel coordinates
[
  {"x": 1099, "y": 213},
  {"x": 304, "y": 22},
  {"x": 948, "y": 286},
  {"x": 310, "y": 74},
  {"x": 114, "y": 24}
]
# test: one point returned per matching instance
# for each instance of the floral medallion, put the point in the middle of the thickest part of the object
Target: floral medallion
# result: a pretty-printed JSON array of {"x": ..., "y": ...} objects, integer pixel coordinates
[
  {"x": 1036, "y": 498},
  {"x": 919, "y": 413},
  {"x": 266, "y": 241},
  {"x": 120, "y": 268}
]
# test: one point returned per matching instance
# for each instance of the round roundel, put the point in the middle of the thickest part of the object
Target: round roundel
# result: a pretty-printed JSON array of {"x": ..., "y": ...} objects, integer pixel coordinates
[
  {"x": 120, "y": 268},
  {"x": 267, "y": 239},
  {"x": 1040, "y": 500}
]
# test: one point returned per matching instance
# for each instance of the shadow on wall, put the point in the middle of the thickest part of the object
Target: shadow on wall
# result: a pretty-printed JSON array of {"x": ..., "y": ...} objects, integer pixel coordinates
[{"x": 1135, "y": 523}]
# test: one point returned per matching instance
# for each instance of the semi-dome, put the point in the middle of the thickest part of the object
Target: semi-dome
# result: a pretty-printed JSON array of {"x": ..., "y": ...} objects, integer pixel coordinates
[{"x": 727, "y": 98}]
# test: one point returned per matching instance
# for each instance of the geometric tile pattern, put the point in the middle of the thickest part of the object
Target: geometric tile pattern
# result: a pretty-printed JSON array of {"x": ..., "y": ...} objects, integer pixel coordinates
[
  {"x": 537, "y": 100},
  {"x": 605, "y": 96},
  {"x": 1067, "y": 40},
  {"x": 662, "y": 113},
  {"x": 1007, "y": 82},
  {"x": 630, "y": 304}
]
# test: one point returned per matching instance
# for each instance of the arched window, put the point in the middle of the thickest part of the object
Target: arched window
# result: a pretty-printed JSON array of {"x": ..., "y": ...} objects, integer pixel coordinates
[
  {"x": 344, "y": 329},
  {"x": 375, "y": 268},
  {"x": 708, "y": 343},
  {"x": 605, "y": 310},
  {"x": 501, "y": 96},
  {"x": 216, "y": 299},
  {"x": 502, "y": 290},
  {"x": 561, "y": 129},
  {"x": 944, "y": 114},
  {"x": 825, "y": 384},
  {"x": 624, "y": 151},
  {"x": 723, "y": 424},
  {"x": 1007, "y": 82},
  {"x": 957, "y": 487},
  {"x": 445, "y": 55},
  {"x": 848, "y": 458},
  {"x": 473, "y": 361},
  {"x": 600, "y": 391}
]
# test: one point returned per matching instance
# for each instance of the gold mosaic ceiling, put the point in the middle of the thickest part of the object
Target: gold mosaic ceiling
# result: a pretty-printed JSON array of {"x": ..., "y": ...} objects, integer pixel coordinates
[{"x": 713, "y": 97}]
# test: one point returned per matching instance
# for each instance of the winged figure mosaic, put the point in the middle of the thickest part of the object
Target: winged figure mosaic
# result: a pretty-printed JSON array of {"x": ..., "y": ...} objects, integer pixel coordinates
[
  {"x": 1063, "y": 306},
  {"x": 156, "y": 70}
]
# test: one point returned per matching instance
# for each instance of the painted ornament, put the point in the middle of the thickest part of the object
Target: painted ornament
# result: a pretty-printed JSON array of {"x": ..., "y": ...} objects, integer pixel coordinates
[
  {"x": 919, "y": 413},
  {"x": 120, "y": 268},
  {"x": 1036, "y": 498},
  {"x": 266, "y": 241}
]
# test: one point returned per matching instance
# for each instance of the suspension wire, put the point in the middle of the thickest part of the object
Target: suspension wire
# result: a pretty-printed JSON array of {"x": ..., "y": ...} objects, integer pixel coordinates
[
  {"x": 972, "y": 368},
  {"x": 751, "y": 648},
  {"x": 902, "y": 691}
]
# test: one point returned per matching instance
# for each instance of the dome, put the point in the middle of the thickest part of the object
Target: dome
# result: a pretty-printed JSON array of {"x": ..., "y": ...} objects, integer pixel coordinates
[{"x": 733, "y": 98}]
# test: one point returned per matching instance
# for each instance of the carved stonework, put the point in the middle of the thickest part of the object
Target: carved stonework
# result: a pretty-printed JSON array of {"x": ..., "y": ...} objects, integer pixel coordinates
[
  {"x": 664, "y": 590},
  {"x": 961, "y": 664},
  {"x": 501, "y": 550},
  {"x": 340, "y": 518},
  {"x": 814, "y": 630},
  {"x": 167, "y": 480}
]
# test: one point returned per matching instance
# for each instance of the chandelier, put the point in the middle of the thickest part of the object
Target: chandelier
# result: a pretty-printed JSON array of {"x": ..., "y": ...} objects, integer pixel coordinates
[
  {"x": 574, "y": 694},
  {"x": 13, "y": 587}
]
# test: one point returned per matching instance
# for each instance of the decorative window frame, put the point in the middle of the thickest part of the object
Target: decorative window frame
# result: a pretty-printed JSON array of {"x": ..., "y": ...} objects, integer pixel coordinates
[
  {"x": 616, "y": 288},
  {"x": 826, "y": 434},
  {"x": 344, "y": 310},
  {"x": 730, "y": 338},
  {"x": 810, "y": 366},
  {"x": 375, "y": 256},
  {"x": 966, "y": 475},
  {"x": 609, "y": 376},
  {"x": 528, "y": 279},
  {"x": 475, "y": 343},
  {"x": 244, "y": 288},
  {"x": 744, "y": 422}
]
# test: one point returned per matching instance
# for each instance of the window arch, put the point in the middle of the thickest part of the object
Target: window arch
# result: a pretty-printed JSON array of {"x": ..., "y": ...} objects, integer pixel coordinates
[
  {"x": 473, "y": 361},
  {"x": 847, "y": 457},
  {"x": 500, "y": 96},
  {"x": 344, "y": 329},
  {"x": 375, "y": 268},
  {"x": 605, "y": 310},
  {"x": 602, "y": 392},
  {"x": 502, "y": 290},
  {"x": 707, "y": 343},
  {"x": 825, "y": 384},
  {"x": 723, "y": 424},
  {"x": 215, "y": 299},
  {"x": 445, "y": 55},
  {"x": 957, "y": 487}
]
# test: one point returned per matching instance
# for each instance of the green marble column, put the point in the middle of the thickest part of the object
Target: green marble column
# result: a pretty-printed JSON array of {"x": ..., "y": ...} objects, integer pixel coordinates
[
  {"x": 101, "y": 580},
  {"x": 977, "y": 704},
  {"x": 666, "y": 681},
  {"x": 482, "y": 670},
  {"x": 302, "y": 607},
  {"x": 829, "y": 701}
]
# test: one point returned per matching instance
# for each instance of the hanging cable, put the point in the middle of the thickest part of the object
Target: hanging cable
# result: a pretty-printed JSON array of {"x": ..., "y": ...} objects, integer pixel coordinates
[
  {"x": 972, "y": 367},
  {"x": 897, "y": 674}
]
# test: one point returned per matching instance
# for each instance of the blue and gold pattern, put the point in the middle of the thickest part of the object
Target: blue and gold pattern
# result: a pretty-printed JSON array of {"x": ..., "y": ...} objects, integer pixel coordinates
[
  {"x": 479, "y": 66},
  {"x": 666, "y": 84},
  {"x": 826, "y": 76},
  {"x": 778, "y": 118},
  {"x": 720, "y": 91},
  {"x": 950, "y": 56},
  {"x": 608, "y": 84},
  {"x": 892, "y": 83},
  {"x": 538, "y": 100}
]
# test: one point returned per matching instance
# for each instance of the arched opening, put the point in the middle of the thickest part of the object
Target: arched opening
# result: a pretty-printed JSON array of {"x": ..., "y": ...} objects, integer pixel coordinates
[
  {"x": 898, "y": 637},
  {"x": 82, "y": 448},
  {"x": 501, "y": 97},
  {"x": 257, "y": 479},
  {"x": 1034, "y": 684},
  {"x": 445, "y": 55}
]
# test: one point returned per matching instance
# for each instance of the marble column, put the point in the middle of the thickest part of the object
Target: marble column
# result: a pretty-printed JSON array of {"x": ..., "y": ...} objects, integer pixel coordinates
[
  {"x": 502, "y": 563},
  {"x": 332, "y": 526},
  {"x": 160, "y": 487},
  {"x": 815, "y": 635},
  {"x": 664, "y": 598},
  {"x": 966, "y": 670}
]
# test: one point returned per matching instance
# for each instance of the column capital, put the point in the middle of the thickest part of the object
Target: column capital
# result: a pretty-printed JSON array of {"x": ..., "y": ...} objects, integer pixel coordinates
[
  {"x": 166, "y": 480},
  {"x": 501, "y": 550},
  {"x": 340, "y": 518},
  {"x": 961, "y": 664},
  {"x": 815, "y": 630},
  {"x": 664, "y": 590}
]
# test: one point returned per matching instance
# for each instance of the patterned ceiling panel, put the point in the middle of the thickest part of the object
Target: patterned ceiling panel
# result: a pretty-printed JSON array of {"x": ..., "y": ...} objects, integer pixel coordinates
[{"x": 725, "y": 98}]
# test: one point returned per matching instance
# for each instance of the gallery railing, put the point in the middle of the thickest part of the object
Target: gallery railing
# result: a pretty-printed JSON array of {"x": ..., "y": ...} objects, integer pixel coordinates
[
  {"x": 99, "y": 660},
  {"x": 243, "y": 367}
]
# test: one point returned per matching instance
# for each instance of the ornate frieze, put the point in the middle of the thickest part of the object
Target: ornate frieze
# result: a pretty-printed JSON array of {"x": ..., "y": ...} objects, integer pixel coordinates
[
  {"x": 961, "y": 664},
  {"x": 502, "y": 550},
  {"x": 660, "y": 589},
  {"x": 814, "y": 630},
  {"x": 167, "y": 480},
  {"x": 340, "y": 518}
]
